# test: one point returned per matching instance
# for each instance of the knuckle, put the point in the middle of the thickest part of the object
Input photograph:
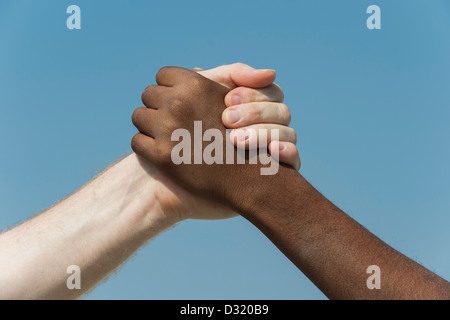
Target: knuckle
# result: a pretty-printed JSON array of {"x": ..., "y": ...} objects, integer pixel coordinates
[
  {"x": 135, "y": 116},
  {"x": 198, "y": 83},
  {"x": 147, "y": 92},
  {"x": 278, "y": 92},
  {"x": 195, "y": 82},
  {"x": 177, "y": 103},
  {"x": 151, "y": 88},
  {"x": 180, "y": 107},
  {"x": 135, "y": 143},
  {"x": 144, "y": 96},
  {"x": 285, "y": 113},
  {"x": 248, "y": 95},
  {"x": 240, "y": 65},
  {"x": 162, "y": 71},
  {"x": 253, "y": 113},
  {"x": 293, "y": 135},
  {"x": 170, "y": 125}
]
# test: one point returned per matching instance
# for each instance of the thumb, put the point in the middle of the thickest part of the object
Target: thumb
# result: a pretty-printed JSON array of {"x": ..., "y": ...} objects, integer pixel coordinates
[{"x": 240, "y": 75}]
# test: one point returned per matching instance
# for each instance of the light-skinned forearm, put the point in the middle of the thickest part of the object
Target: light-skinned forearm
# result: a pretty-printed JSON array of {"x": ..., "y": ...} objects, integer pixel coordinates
[
  {"x": 97, "y": 228},
  {"x": 329, "y": 247}
]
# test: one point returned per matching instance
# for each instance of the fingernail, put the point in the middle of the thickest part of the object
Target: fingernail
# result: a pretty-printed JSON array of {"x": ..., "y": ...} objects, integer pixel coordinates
[
  {"x": 242, "y": 134},
  {"x": 281, "y": 146},
  {"x": 233, "y": 115},
  {"x": 235, "y": 100}
]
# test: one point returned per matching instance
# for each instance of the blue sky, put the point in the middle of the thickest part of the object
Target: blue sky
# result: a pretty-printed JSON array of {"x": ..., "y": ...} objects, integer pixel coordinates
[{"x": 371, "y": 109}]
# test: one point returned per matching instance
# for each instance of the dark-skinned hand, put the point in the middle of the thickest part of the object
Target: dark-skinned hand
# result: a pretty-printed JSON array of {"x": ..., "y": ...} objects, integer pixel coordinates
[{"x": 181, "y": 98}]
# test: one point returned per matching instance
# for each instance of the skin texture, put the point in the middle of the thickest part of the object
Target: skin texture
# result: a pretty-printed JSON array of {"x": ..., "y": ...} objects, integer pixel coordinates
[
  {"x": 96, "y": 228},
  {"x": 182, "y": 97},
  {"x": 102, "y": 224},
  {"x": 329, "y": 247},
  {"x": 259, "y": 103}
]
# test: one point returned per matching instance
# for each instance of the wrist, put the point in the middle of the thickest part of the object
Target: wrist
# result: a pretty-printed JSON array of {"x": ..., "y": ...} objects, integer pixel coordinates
[
  {"x": 145, "y": 211},
  {"x": 261, "y": 192}
]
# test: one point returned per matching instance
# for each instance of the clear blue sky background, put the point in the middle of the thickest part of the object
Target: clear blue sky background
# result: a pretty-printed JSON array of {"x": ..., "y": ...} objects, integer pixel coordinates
[{"x": 371, "y": 109}]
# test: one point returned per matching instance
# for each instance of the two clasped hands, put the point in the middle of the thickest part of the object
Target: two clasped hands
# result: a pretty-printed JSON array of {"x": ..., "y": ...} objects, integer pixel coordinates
[
  {"x": 333, "y": 250},
  {"x": 97, "y": 228},
  {"x": 211, "y": 100}
]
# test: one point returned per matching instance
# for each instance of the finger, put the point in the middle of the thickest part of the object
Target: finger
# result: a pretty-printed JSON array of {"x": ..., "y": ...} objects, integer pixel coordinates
[
  {"x": 242, "y": 95},
  {"x": 197, "y": 69},
  {"x": 146, "y": 147},
  {"x": 256, "y": 135},
  {"x": 170, "y": 76},
  {"x": 240, "y": 75},
  {"x": 152, "y": 96},
  {"x": 255, "y": 113},
  {"x": 287, "y": 153},
  {"x": 146, "y": 121}
]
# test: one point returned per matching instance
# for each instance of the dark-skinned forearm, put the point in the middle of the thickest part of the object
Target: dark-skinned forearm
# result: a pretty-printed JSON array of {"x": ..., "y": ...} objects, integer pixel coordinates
[
  {"x": 333, "y": 250},
  {"x": 329, "y": 247}
]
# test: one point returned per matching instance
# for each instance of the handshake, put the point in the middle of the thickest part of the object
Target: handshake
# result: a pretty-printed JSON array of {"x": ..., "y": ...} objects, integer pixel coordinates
[
  {"x": 240, "y": 133},
  {"x": 212, "y": 144},
  {"x": 217, "y": 133}
]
